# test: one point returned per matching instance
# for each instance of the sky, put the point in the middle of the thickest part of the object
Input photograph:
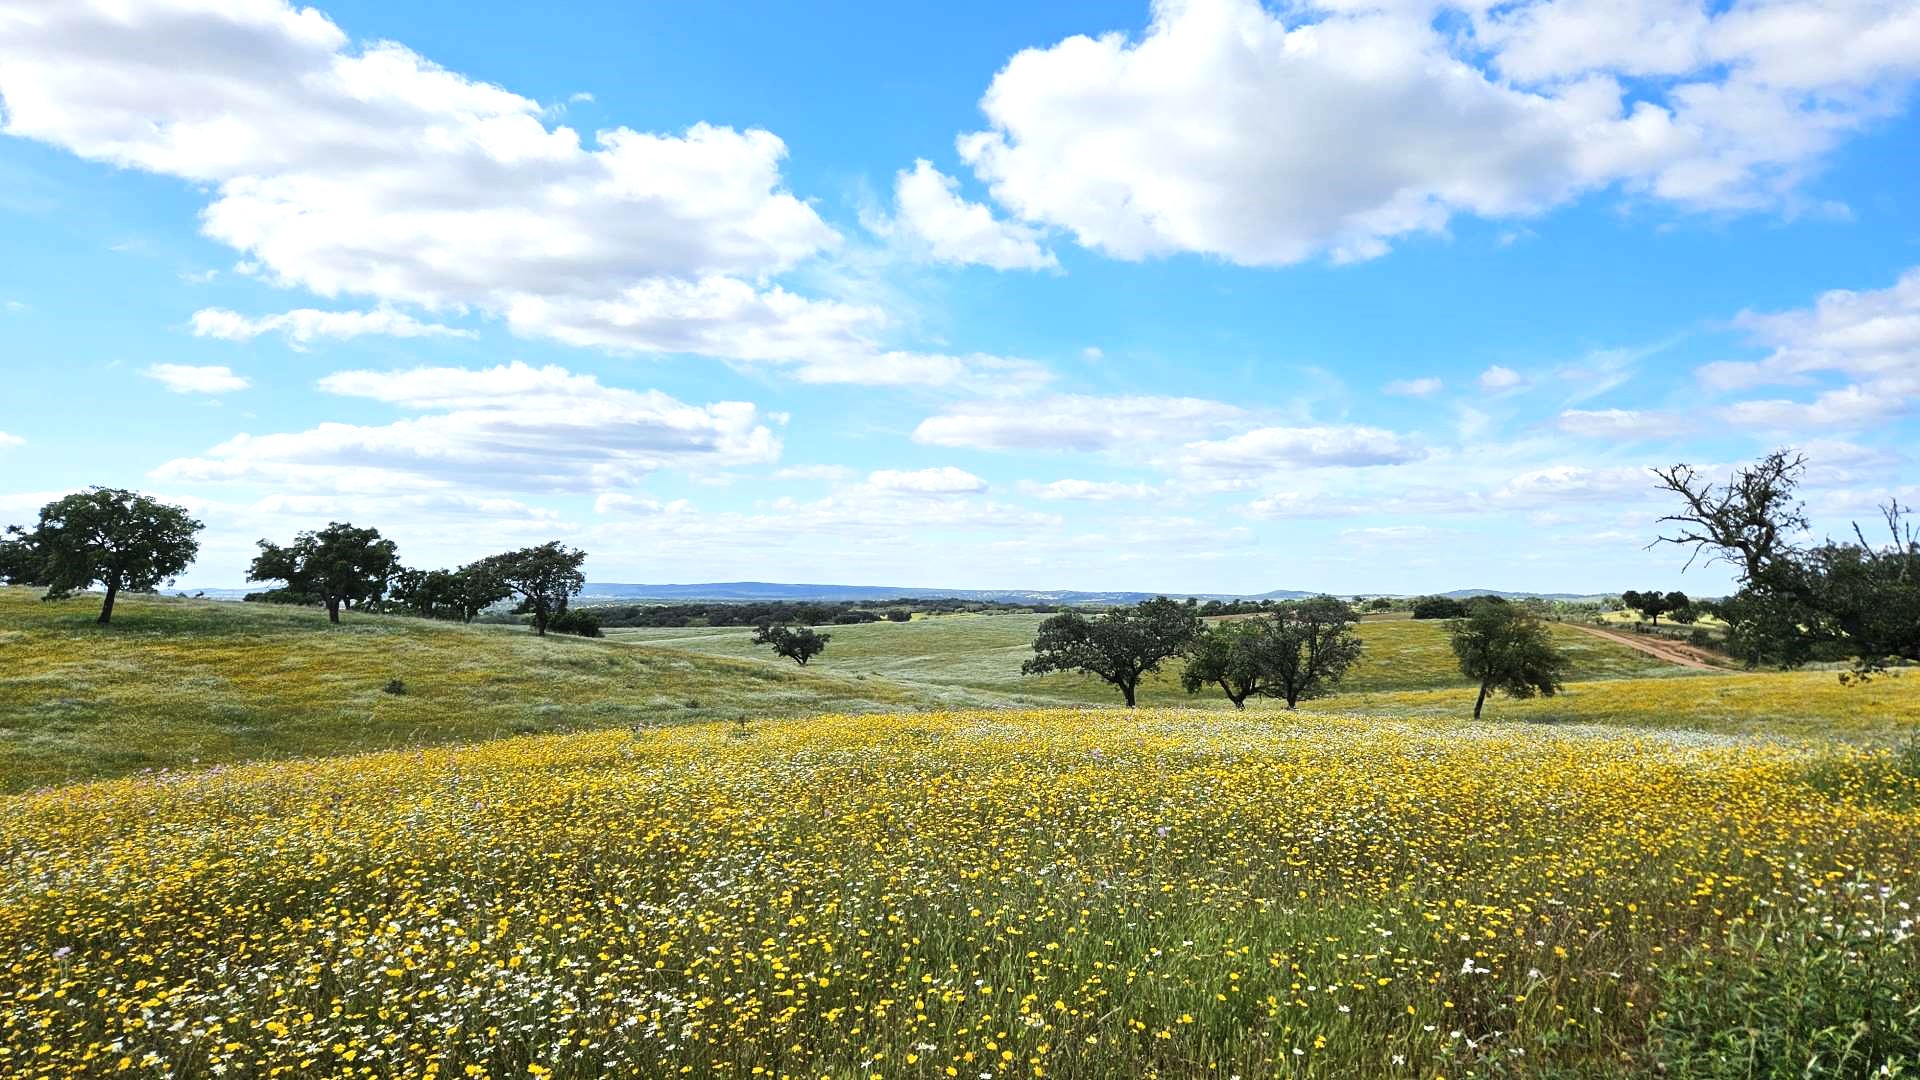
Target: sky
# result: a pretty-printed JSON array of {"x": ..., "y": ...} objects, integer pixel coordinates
[{"x": 1197, "y": 296}]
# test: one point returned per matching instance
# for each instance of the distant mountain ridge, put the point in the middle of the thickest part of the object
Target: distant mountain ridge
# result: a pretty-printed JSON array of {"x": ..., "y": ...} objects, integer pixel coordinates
[{"x": 766, "y": 590}]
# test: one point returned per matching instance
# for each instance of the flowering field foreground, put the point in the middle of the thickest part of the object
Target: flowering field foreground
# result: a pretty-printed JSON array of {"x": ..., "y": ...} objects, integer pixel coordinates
[{"x": 1056, "y": 893}]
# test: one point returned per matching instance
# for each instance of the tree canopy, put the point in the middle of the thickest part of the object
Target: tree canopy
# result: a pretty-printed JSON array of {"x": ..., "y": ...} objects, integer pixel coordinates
[
  {"x": 797, "y": 643},
  {"x": 335, "y": 566},
  {"x": 1297, "y": 651},
  {"x": 120, "y": 540},
  {"x": 545, "y": 578},
  {"x": 1798, "y": 600},
  {"x": 1506, "y": 648},
  {"x": 449, "y": 594},
  {"x": 1118, "y": 646},
  {"x": 1655, "y": 603}
]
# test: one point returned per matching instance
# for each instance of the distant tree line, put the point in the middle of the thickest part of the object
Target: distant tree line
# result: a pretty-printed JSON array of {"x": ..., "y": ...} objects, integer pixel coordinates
[
  {"x": 794, "y": 612},
  {"x": 342, "y": 567}
]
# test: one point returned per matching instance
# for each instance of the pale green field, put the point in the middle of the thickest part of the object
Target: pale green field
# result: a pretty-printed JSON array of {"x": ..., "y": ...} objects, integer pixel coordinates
[
  {"x": 175, "y": 682},
  {"x": 963, "y": 660}
]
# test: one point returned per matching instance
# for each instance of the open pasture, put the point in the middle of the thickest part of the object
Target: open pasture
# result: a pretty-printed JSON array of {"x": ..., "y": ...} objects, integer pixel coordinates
[
  {"x": 1000, "y": 894},
  {"x": 175, "y": 683},
  {"x": 965, "y": 660}
]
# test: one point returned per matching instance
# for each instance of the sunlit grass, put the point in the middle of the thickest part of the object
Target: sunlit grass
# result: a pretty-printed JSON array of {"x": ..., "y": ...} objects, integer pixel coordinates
[
  {"x": 1804, "y": 704},
  {"x": 964, "y": 660},
  {"x": 1062, "y": 893},
  {"x": 174, "y": 682}
]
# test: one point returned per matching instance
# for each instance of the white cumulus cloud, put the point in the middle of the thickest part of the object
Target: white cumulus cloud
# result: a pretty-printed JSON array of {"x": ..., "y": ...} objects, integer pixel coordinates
[
  {"x": 304, "y": 326},
  {"x": 944, "y": 480},
  {"x": 930, "y": 213},
  {"x": 512, "y": 428},
  {"x": 1072, "y": 422},
  {"x": 1267, "y": 135},
  {"x": 196, "y": 379}
]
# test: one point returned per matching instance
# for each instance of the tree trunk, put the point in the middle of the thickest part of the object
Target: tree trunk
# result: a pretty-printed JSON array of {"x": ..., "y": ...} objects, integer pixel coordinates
[
  {"x": 1481, "y": 700},
  {"x": 1126, "y": 690},
  {"x": 333, "y": 609},
  {"x": 1239, "y": 700},
  {"x": 106, "y": 607}
]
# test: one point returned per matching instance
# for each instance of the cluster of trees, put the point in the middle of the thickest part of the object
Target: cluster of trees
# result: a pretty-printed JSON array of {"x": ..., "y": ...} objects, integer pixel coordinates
[
  {"x": 123, "y": 541},
  {"x": 1654, "y": 604},
  {"x": 1438, "y": 607},
  {"x": 1799, "y": 600},
  {"x": 1292, "y": 651},
  {"x": 343, "y": 566}
]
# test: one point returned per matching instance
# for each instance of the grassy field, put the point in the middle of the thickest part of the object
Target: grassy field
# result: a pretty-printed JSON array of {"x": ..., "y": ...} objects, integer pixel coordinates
[
  {"x": 1068, "y": 893},
  {"x": 1709, "y": 875},
  {"x": 974, "y": 660},
  {"x": 178, "y": 682},
  {"x": 1804, "y": 704}
]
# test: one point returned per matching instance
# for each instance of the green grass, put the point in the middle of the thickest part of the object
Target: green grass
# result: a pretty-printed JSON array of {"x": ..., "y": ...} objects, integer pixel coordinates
[
  {"x": 1796, "y": 704},
  {"x": 974, "y": 660},
  {"x": 175, "y": 683}
]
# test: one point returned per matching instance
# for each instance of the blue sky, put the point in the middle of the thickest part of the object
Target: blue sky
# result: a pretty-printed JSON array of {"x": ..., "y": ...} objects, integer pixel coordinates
[{"x": 1203, "y": 296}]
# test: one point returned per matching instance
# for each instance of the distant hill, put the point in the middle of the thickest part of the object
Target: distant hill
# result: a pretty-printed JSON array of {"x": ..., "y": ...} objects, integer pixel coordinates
[
  {"x": 1462, "y": 594},
  {"x": 773, "y": 590},
  {"x": 769, "y": 590}
]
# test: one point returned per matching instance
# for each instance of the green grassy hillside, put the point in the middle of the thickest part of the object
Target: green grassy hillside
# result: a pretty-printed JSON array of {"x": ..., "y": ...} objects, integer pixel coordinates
[
  {"x": 176, "y": 682},
  {"x": 962, "y": 660}
]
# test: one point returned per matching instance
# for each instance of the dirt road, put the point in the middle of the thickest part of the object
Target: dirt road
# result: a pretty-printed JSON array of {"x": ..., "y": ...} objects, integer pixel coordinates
[{"x": 1671, "y": 652}]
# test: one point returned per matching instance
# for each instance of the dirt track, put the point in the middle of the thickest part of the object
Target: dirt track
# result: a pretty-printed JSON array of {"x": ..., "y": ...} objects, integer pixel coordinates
[{"x": 1671, "y": 652}]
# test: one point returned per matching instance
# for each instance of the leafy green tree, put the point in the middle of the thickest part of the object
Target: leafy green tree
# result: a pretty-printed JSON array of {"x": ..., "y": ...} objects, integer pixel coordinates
[
  {"x": 1654, "y": 603},
  {"x": 476, "y": 587},
  {"x": 1797, "y": 601},
  {"x": 1297, "y": 651},
  {"x": 1506, "y": 648},
  {"x": 339, "y": 565},
  {"x": 448, "y": 594},
  {"x": 1118, "y": 646},
  {"x": 120, "y": 540},
  {"x": 797, "y": 643},
  {"x": 1310, "y": 646},
  {"x": 545, "y": 578},
  {"x": 576, "y": 621},
  {"x": 1228, "y": 655},
  {"x": 426, "y": 593},
  {"x": 1438, "y": 607}
]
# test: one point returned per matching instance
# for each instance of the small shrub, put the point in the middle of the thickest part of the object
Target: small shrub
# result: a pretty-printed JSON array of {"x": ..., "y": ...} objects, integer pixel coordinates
[
  {"x": 396, "y": 687},
  {"x": 576, "y": 621}
]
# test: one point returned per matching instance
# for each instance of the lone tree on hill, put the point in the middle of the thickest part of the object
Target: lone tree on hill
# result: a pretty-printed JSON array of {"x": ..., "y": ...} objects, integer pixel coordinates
[
  {"x": 797, "y": 643},
  {"x": 338, "y": 565},
  {"x": 1506, "y": 648},
  {"x": 1119, "y": 646},
  {"x": 1795, "y": 601},
  {"x": 1298, "y": 651},
  {"x": 545, "y": 578},
  {"x": 121, "y": 540}
]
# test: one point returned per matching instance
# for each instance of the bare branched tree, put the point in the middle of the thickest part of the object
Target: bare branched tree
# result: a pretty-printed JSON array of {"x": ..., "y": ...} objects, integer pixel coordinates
[{"x": 1749, "y": 520}]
